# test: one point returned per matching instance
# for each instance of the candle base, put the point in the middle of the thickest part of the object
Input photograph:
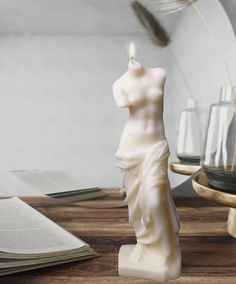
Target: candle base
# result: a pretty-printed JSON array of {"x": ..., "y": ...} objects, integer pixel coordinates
[
  {"x": 156, "y": 271},
  {"x": 231, "y": 224}
]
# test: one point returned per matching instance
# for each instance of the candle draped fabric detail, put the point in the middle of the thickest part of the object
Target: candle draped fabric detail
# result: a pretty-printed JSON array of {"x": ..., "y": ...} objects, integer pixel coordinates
[{"x": 150, "y": 203}]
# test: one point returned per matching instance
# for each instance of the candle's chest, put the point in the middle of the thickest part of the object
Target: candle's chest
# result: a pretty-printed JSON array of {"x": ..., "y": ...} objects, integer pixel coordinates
[{"x": 143, "y": 91}]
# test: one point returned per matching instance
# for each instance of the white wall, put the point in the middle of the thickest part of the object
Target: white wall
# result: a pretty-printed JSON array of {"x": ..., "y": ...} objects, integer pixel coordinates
[
  {"x": 58, "y": 60},
  {"x": 57, "y": 109}
]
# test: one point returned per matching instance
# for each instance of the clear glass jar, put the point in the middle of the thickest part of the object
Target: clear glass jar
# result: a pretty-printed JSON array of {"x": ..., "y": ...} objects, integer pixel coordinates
[
  {"x": 218, "y": 158},
  {"x": 189, "y": 135}
]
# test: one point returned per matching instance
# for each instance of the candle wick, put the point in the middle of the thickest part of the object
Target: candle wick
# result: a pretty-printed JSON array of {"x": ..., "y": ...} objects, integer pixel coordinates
[{"x": 132, "y": 59}]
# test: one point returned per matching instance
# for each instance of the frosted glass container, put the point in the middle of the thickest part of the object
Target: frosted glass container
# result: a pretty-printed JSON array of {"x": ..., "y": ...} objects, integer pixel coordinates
[{"x": 189, "y": 135}]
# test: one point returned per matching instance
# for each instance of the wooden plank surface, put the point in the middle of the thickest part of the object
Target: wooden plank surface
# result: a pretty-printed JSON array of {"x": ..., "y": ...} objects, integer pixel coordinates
[{"x": 208, "y": 252}]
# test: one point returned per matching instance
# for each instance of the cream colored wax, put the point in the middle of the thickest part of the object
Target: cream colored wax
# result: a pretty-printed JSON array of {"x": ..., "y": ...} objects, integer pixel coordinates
[{"x": 142, "y": 157}]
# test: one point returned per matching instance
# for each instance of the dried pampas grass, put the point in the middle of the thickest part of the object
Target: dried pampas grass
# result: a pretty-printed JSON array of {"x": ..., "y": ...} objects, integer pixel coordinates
[
  {"x": 155, "y": 30},
  {"x": 158, "y": 35}
]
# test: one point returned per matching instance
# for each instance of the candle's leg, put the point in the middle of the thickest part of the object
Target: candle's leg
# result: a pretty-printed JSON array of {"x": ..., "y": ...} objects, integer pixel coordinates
[{"x": 231, "y": 224}]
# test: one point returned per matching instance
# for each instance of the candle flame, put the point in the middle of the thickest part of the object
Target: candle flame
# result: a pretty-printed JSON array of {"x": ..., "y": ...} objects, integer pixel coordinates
[{"x": 131, "y": 51}]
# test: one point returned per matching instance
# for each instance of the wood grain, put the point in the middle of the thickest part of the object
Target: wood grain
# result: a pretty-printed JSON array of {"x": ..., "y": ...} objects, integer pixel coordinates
[{"x": 208, "y": 252}]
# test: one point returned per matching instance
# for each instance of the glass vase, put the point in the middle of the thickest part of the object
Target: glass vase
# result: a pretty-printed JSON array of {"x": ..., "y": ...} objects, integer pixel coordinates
[{"x": 219, "y": 151}]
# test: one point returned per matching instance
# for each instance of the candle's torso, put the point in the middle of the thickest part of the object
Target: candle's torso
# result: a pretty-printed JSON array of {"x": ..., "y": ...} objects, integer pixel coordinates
[
  {"x": 142, "y": 129},
  {"x": 143, "y": 95}
]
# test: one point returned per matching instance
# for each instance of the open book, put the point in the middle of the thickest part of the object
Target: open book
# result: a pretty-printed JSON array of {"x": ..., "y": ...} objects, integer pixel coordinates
[
  {"x": 57, "y": 184},
  {"x": 29, "y": 240}
]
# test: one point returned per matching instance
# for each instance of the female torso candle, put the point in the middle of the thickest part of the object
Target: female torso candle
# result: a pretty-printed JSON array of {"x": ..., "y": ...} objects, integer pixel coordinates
[{"x": 143, "y": 158}]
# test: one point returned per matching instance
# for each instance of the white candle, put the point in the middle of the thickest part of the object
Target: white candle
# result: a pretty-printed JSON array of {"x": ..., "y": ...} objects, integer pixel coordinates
[{"x": 143, "y": 158}]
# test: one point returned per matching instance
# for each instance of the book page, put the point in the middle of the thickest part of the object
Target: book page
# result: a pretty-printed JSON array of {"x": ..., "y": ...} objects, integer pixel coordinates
[
  {"x": 24, "y": 230},
  {"x": 49, "y": 181},
  {"x": 66, "y": 181}
]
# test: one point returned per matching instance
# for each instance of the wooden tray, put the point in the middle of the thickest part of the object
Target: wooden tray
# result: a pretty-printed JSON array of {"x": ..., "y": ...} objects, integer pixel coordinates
[
  {"x": 184, "y": 169},
  {"x": 202, "y": 188}
]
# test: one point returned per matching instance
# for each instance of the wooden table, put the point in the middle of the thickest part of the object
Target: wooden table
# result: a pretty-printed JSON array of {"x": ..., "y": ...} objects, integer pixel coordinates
[{"x": 208, "y": 252}]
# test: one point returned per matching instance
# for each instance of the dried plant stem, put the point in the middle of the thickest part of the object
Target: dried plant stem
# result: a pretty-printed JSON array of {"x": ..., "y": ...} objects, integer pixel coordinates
[
  {"x": 218, "y": 48},
  {"x": 181, "y": 71}
]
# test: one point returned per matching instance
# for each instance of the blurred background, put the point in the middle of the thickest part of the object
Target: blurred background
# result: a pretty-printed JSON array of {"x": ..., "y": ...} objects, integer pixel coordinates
[{"x": 58, "y": 61}]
